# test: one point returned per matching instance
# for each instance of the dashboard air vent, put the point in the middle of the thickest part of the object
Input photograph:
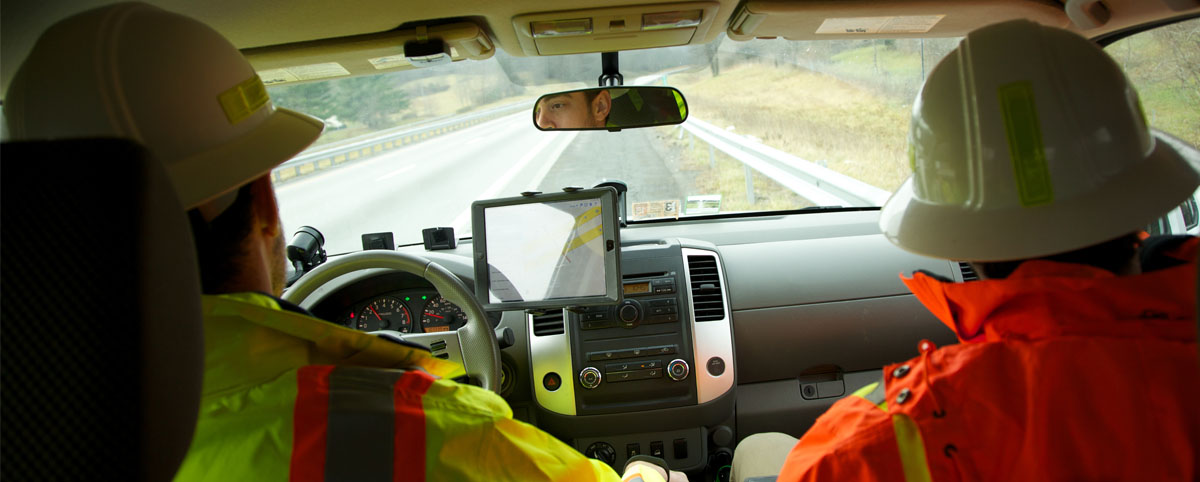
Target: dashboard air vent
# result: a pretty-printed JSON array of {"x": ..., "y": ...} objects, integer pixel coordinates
[
  {"x": 707, "y": 300},
  {"x": 549, "y": 323},
  {"x": 968, "y": 273}
]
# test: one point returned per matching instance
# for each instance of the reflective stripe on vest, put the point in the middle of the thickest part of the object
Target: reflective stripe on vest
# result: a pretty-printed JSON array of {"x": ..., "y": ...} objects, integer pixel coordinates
[
  {"x": 908, "y": 435},
  {"x": 360, "y": 424},
  {"x": 873, "y": 393},
  {"x": 911, "y": 448}
]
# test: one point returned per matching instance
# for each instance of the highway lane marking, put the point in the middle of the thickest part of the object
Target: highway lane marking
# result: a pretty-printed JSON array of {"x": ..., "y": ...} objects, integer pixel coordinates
[
  {"x": 395, "y": 173},
  {"x": 462, "y": 219},
  {"x": 485, "y": 129}
]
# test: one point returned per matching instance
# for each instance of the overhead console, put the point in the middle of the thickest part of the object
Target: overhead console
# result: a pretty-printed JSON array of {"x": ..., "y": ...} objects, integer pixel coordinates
[{"x": 616, "y": 28}]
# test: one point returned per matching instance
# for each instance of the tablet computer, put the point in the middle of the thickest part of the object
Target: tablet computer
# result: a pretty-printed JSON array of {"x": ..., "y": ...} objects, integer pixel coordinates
[{"x": 547, "y": 251}]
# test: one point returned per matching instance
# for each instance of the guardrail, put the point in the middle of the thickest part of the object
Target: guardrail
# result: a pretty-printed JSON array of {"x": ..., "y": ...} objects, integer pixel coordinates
[
  {"x": 821, "y": 185},
  {"x": 369, "y": 145}
]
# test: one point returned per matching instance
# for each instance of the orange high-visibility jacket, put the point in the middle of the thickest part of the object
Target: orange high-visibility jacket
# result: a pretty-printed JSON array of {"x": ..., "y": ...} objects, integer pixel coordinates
[{"x": 1064, "y": 372}]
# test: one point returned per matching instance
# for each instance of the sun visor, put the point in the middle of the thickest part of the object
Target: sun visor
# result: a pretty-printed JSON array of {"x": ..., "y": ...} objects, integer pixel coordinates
[
  {"x": 365, "y": 54},
  {"x": 860, "y": 19},
  {"x": 615, "y": 29}
]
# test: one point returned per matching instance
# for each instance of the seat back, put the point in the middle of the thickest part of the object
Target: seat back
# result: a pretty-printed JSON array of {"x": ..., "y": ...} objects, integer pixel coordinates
[{"x": 102, "y": 339}]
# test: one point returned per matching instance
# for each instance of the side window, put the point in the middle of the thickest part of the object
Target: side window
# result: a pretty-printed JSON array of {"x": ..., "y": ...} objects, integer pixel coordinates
[{"x": 1163, "y": 64}]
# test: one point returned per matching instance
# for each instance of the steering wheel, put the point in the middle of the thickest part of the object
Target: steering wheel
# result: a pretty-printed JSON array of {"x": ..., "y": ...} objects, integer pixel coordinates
[{"x": 474, "y": 345}]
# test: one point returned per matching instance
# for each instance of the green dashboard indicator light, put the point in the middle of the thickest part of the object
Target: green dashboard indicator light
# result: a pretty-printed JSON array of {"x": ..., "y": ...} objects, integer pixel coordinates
[
  {"x": 424, "y": 297},
  {"x": 406, "y": 298}
]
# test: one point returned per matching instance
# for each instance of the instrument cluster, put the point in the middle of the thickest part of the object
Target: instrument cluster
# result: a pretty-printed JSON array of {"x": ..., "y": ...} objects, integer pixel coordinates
[{"x": 407, "y": 311}]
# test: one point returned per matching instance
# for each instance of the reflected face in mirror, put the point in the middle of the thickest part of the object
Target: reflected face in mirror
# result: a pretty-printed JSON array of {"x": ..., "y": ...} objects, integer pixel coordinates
[
  {"x": 610, "y": 108},
  {"x": 574, "y": 110}
]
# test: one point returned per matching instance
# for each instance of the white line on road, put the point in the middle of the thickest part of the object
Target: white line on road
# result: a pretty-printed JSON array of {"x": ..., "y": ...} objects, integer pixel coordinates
[
  {"x": 395, "y": 173},
  {"x": 465, "y": 217}
]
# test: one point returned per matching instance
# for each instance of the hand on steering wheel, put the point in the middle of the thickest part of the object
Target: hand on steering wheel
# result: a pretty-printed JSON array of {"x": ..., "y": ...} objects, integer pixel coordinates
[{"x": 474, "y": 345}]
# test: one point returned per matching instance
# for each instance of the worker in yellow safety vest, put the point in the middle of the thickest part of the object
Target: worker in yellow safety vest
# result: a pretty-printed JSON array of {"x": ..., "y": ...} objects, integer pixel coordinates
[{"x": 286, "y": 396}]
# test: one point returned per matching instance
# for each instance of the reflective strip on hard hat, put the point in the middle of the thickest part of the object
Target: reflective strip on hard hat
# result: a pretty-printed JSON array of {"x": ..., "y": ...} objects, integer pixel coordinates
[
  {"x": 911, "y": 448},
  {"x": 1025, "y": 145},
  {"x": 244, "y": 99},
  {"x": 873, "y": 393}
]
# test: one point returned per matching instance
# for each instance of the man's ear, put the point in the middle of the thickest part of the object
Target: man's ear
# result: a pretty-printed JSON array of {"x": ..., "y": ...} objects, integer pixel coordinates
[
  {"x": 601, "y": 105},
  {"x": 266, "y": 209}
]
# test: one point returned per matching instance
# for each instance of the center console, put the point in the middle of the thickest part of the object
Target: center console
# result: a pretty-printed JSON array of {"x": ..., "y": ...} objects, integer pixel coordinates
[{"x": 652, "y": 374}]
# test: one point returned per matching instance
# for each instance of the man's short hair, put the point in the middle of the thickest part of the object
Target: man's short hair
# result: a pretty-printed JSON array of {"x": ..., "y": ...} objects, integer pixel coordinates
[
  {"x": 1112, "y": 255},
  {"x": 221, "y": 243}
]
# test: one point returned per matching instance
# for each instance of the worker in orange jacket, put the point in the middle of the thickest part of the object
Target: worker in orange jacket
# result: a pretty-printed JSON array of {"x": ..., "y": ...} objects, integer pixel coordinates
[{"x": 1077, "y": 357}]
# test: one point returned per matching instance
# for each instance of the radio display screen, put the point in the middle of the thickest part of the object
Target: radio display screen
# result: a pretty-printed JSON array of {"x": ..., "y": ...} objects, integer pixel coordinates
[{"x": 636, "y": 288}]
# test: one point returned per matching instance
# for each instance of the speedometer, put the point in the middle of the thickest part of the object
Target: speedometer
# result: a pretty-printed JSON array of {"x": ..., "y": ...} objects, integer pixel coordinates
[
  {"x": 385, "y": 313},
  {"x": 441, "y": 315}
]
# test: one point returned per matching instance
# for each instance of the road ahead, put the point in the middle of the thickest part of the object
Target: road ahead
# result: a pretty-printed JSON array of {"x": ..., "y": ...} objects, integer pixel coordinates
[{"x": 433, "y": 183}]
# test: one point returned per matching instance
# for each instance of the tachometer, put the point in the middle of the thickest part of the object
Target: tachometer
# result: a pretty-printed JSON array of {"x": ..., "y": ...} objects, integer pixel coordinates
[
  {"x": 385, "y": 313},
  {"x": 441, "y": 315}
]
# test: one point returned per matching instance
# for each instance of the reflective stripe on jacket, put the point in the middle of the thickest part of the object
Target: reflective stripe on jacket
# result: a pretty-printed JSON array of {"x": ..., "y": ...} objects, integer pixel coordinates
[
  {"x": 1065, "y": 372},
  {"x": 291, "y": 397}
]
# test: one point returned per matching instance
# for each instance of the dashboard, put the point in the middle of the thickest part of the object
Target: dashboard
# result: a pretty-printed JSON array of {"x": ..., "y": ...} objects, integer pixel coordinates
[{"x": 727, "y": 327}]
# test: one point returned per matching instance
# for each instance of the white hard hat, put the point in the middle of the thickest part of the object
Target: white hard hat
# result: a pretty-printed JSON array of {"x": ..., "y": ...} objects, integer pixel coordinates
[
  {"x": 1028, "y": 141},
  {"x": 173, "y": 84}
]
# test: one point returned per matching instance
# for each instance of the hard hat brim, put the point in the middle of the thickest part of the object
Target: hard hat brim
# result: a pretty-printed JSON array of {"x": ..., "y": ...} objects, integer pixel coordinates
[
  {"x": 283, "y": 135},
  {"x": 1130, "y": 201}
]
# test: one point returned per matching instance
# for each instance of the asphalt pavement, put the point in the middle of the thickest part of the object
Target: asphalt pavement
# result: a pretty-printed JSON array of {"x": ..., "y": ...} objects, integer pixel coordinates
[{"x": 433, "y": 183}]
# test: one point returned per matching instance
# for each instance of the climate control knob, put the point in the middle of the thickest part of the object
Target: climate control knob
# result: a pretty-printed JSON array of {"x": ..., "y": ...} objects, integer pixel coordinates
[
  {"x": 589, "y": 377},
  {"x": 677, "y": 369}
]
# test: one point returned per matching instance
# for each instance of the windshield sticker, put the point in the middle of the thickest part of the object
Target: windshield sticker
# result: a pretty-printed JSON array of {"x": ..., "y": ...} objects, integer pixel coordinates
[
  {"x": 655, "y": 209},
  {"x": 303, "y": 72},
  {"x": 861, "y": 25}
]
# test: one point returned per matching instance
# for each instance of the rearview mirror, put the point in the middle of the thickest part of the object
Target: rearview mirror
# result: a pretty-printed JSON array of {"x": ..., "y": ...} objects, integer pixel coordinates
[{"x": 610, "y": 108}]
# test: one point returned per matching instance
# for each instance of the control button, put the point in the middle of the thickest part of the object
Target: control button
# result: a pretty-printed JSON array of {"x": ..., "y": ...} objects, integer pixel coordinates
[
  {"x": 680, "y": 448},
  {"x": 552, "y": 381},
  {"x": 663, "y": 302},
  {"x": 662, "y": 310},
  {"x": 656, "y": 449},
  {"x": 589, "y": 378},
  {"x": 716, "y": 366},
  {"x": 662, "y": 350},
  {"x": 619, "y": 367},
  {"x": 603, "y": 355},
  {"x": 631, "y": 353},
  {"x": 664, "y": 289},
  {"x": 677, "y": 369},
  {"x": 632, "y": 450},
  {"x": 650, "y": 364},
  {"x": 602, "y": 451},
  {"x": 628, "y": 376},
  {"x": 595, "y": 316},
  {"x": 662, "y": 319}
]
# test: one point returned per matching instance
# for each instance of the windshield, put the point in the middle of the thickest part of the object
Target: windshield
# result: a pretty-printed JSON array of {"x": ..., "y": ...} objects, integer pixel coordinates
[{"x": 774, "y": 125}]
